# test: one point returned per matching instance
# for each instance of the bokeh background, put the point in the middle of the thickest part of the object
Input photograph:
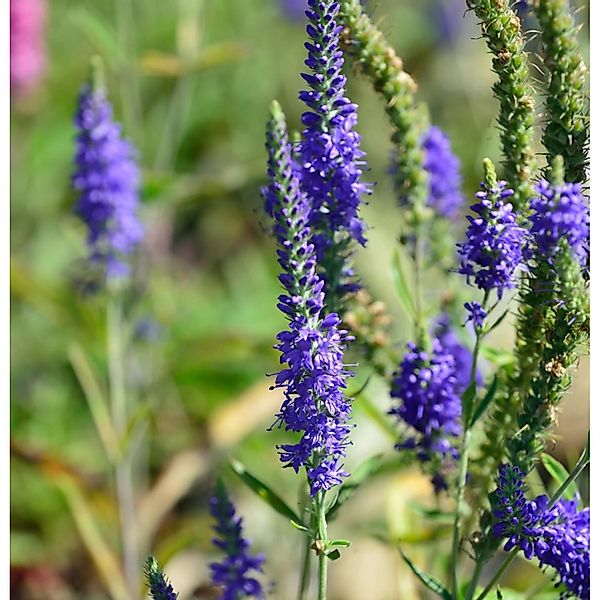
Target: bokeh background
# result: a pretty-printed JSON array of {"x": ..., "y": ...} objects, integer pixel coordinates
[{"x": 191, "y": 81}]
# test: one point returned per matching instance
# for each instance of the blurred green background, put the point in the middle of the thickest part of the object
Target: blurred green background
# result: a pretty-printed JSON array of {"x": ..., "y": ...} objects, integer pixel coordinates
[{"x": 191, "y": 80}]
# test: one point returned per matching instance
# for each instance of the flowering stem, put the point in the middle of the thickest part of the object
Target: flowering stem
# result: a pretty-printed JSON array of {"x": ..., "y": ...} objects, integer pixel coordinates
[
  {"x": 464, "y": 457},
  {"x": 123, "y": 465},
  {"x": 322, "y": 538},
  {"x": 499, "y": 574},
  {"x": 582, "y": 463},
  {"x": 464, "y": 461}
]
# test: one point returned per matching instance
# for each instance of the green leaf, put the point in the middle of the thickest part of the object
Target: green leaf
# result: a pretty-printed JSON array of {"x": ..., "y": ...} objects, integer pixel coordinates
[
  {"x": 341, "y": 543},
  {"x": 560, "y": 475},
  {"x": 487, "y": 400},
  {"x": 468, "y": 398},
  {"x": 264, "y": 492},
  {"x": 433, "y": 584},
  {"x": 368, "y": 468},
  {"x": 401, "y": 284},
  {"x": 334, "y": 555},
  {"x": 299, "y": 526},
  {"x": 497, "y": 321},
  {"x": 97, "y": 31},
  {"x": 432, "y": 514},
  {"x": 500, "y": 358}
]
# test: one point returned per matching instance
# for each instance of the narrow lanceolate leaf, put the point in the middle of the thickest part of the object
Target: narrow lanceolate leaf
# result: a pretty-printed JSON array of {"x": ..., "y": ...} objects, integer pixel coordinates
[
  {"x": 264, "y": 492},
  {"x": 468, "y": 399},
  {"x": 402, "y": 286},
  {"x": 102, "y": 554},
  {"x": 433, "y": 584},
  {"x": 487, "y": 400},
  {"x": 560, "y": 475}
]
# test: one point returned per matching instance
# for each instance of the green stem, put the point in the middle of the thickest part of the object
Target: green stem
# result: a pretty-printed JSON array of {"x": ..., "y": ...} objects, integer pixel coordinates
[
  {"x": 460, "y": 494},
  {"x": 582, "y": 463},
  {"x": 322, "y": 577},
  {"x": 128, "y": 77},
  {"x": 499, "y": 574},
  {"x": 322, "y": 536},
  {"x": 419, "y": 307},
  {"x": 464, "y": 461},
  {"x": 474, "y": 580},
  {"x": 305, "y": 575},
  {"x": 124, "y": 462}
]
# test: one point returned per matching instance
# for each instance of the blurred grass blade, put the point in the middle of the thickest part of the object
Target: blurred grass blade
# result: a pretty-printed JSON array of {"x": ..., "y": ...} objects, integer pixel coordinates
[
  {"x": 95, "y": 399},
  {"x": 135, "y": 426},
  {"x": 264, "y": 492},
  {"x": 401, "y": 284},
  {"x": 105, "y": 560},
  {"x": 163, "y": 64},
  {"x": 559, "y": 474},
  {"x": 98, "y": 33},
  {"x": 433, "y": 584}
]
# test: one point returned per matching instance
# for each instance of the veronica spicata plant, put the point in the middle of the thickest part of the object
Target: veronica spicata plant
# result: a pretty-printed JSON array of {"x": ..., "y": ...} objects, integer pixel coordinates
[
  {"x": 107, "y": 179},
  {"x": 473, "y": 417},
  {"x": 233, "y": 574},
  {"x": 329, "y": 154}
]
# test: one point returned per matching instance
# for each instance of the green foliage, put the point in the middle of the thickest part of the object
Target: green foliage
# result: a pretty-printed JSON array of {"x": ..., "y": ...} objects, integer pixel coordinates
[
  {"x": 264, "y": 492},
  {"x": 430, "y": 582}
]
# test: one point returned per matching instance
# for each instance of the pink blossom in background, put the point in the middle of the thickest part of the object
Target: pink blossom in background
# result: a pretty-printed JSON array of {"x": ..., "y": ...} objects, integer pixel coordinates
[{"x": 27, "y": 48}]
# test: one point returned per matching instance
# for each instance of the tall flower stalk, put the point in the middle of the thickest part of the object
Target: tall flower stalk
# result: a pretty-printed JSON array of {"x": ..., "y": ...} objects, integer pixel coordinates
[
  {"x": 314, "y": 377},
  {"x": 491, "y": 256},
  {"x": 556, "y": 300},
  {"x": 376, "y": 58},
  {"x": 329, "y": 155},
  {"x": 501, "y": 28},
  {"x": 566, "y": 132},
  {"x": 107, "y": 180}
]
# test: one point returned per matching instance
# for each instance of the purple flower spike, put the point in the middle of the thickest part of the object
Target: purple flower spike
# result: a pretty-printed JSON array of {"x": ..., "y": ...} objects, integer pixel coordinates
[
  {"x": 476, "y": 314},
  {"x": 463, "y": 357},
  {"x": 558, "y": 536},
  {"x": 232, "y": 573},
  {"x": 107, "y": 179},
  {"x": 429, "y": 401},
  {"x": 330, "y": 154},
  {"x": 493, "y": 251},
  {"x": 160, "y": 587},
  {"x": 312, "y": 347},
  {"x": 560, "y": 211},
  {"x": 443, "y": 168}
]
